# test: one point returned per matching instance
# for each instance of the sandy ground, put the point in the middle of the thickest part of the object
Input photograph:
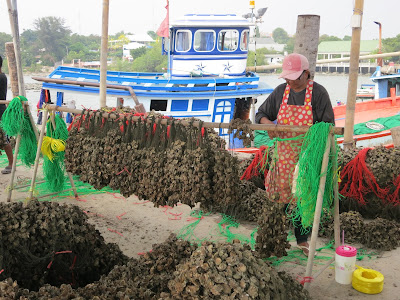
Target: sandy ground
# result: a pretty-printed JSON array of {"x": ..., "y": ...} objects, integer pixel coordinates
[{"x": 135, "y": 225}]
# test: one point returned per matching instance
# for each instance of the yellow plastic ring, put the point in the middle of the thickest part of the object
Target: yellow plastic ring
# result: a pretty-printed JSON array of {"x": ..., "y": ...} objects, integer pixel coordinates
[{"x": 367, "y": 281}]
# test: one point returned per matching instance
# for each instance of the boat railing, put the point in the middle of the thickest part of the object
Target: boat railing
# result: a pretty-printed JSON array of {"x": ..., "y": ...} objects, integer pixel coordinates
[{"x": 159, "y": 83}]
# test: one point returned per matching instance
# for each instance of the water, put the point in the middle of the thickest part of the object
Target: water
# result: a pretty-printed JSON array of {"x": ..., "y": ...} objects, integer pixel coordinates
[{"x": 336, "y": 85}]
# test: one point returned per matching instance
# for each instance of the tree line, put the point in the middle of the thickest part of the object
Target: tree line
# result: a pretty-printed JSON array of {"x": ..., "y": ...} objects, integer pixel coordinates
[{"x": 51, "y": 41}]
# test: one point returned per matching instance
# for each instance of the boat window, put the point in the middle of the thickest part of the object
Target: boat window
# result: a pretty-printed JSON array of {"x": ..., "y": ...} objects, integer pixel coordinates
[
  {"x": 158, "y": 105},
  {"x": 244, "y": 40},
  {"x": 200, "y": 104},
  {"x": 204, "y": 40},
  {"x": 179, "y": 105},
  {"x": 183, "y": 40},
  {"x": 228, "y": 40}
]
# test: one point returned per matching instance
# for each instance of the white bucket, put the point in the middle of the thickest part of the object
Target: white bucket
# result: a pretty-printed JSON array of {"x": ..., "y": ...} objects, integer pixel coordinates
[{"x": 345, "y": 263}]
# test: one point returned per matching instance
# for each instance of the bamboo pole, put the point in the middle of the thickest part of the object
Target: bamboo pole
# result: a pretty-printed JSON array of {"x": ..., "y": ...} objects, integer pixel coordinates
[
  {"x": 14, "y": 167},
  {"x": 336, "y": 215},
  {"x": 318, "y": 209},
  {"x": 40, "y": 141},
  {"x": 13, "y": 14},
  {"x": 323, "y": 61},
  {"x": 71, "y": 180},
  {"x": 353, "y": 74},
  {"x": 268, "y": 127},
  {"x": 103, "y": 54}
]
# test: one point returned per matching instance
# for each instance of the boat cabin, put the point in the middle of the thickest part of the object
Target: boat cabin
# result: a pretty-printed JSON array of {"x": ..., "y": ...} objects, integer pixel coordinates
[{"x": 208, "y": 45}]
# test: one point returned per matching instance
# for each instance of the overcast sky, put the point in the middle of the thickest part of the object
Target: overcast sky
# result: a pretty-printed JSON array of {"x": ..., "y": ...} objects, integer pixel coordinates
[{"x": 138, "y": 16}]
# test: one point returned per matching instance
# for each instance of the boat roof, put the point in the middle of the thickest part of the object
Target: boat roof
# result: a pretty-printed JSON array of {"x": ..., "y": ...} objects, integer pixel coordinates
[{"x": 211, "y": 20}]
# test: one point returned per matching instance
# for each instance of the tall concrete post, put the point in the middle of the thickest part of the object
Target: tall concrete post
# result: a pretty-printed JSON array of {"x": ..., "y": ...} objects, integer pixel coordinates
[{"x": 307, "y": 39}]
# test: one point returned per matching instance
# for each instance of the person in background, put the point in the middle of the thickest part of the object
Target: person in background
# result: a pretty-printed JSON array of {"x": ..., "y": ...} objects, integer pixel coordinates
[
  {"x": 299, "y": 101},
  {"x": 6, "y": 142}
]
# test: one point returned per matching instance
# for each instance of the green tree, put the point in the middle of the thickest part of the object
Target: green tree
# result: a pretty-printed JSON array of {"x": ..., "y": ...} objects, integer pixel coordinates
[
  {"x": 289, "y": 47},
  {"x": 29, "y": 47},
  {"x": 261, "y": 52},
  {"x": 280, "y": 36},
  {"x": 328, "y": 38},
  {"x": 347, "y": 38},
  {"x": 4, "y": 38},
  {"x": 391, "y": 45},
  {"x": 53, "y": 36},
  {"x": 152, "y": 34},
  {"x": 138, "y": 52},
  {"x": 152, "y": 60}
]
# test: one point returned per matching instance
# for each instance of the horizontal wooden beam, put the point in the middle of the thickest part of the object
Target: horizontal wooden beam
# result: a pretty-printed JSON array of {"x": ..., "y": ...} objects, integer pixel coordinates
[{"x": 267, "y": 127}]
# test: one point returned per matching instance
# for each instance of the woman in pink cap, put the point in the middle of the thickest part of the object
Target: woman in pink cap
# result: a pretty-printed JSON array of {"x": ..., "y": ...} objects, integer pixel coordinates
[{"x": 299, "y": 101}]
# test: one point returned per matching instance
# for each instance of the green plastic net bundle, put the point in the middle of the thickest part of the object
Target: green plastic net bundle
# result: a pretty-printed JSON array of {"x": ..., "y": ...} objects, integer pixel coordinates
[
  {"x": 15, "y": 121},
  {"x": 54, "y": 170},
  {"x": 309, "y": 174}
]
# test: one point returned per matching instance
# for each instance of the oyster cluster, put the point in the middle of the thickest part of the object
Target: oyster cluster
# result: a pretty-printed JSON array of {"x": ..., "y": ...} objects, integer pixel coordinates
[
  {"x": 163, "y": 163},
  {"x": 177, "y": 270},
  {"x": 384, "y": 164},
  {"x": 45, "y": 242},
  {"x": 351, "y": 222},
  {"x": 241, "y": 130},
  {"x": 380, "y": 234},
  {"x": 272, "y": 235}
]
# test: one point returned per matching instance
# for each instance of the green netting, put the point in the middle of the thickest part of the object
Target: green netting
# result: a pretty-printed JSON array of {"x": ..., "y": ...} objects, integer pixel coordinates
[
  {"x": 54, "y": 170},
  {"x": 224, "y": 229},
  {"x": 261, "y": 138},
  {"x": 388, "y": 123},
  {"x": 82, "y": 189},
  {"x": 15, "y": 121},
  {"x": 187, "y": 232},
  {"x": 309, "y": 174}
]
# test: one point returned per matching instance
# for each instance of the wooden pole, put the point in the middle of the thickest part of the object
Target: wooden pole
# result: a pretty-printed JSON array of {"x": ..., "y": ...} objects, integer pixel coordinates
[
  {"x": 353, "y": 74},
  {"x": 13, "y": 14},
  {"x": 14, "y": 166},
  {"x": 318, "y": 209},
  {"x": 138, "y": 106},
  {"x": 71, "y": 180},
  {"x": 40, "y": 141},
  {"x": 283, "y": 128},
  {"x": 307, "y": 39},
  {"x": 336, "y": 215},
  {"x": 103, "y": 54},
  {"x": 12, "y": 68}
]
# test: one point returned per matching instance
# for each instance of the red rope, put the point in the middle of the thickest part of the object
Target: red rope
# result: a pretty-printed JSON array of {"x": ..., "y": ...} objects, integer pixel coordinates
[
  {"x": 360, "y": 179},
  {"x": 256, "y": 165},
  {"x": 394, "y": 198}
]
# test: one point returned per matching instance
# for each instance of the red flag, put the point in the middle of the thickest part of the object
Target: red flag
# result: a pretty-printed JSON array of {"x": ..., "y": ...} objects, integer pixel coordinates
[{"x": 163, "y": 30}]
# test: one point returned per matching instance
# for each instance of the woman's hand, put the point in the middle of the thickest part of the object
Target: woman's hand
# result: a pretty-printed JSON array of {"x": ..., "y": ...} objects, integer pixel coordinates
[{"x": 271, "y": 134}]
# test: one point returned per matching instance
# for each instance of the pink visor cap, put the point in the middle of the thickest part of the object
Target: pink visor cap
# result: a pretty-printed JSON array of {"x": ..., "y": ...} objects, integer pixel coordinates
[{"x": 293, "y": 66}]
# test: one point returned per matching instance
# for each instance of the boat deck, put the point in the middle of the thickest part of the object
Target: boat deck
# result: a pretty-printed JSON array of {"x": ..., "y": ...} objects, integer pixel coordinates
[
  {"x": 152, "y": 84},
  {"x": 368, "y": 110}
]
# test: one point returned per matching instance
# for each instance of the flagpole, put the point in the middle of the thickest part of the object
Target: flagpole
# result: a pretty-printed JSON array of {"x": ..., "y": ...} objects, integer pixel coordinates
[{"x": 169, "y": 45}]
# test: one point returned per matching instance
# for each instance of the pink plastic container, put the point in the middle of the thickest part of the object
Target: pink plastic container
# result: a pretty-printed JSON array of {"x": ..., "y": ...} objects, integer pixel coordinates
[{"x": 345, "y": 263}]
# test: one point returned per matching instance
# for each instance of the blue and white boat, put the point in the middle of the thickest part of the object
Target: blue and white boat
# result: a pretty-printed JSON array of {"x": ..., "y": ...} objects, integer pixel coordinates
[{"x": 206, "y": 79}]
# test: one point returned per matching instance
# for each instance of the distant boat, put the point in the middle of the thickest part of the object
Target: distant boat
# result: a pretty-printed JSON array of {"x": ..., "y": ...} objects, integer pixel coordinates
[
  {"x": 207, "y": 77},
  {"x": 386, "y": 104}
]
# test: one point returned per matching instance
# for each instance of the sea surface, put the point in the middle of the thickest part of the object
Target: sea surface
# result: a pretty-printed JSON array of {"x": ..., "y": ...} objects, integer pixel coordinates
[{"x": 335, "y": 84}]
